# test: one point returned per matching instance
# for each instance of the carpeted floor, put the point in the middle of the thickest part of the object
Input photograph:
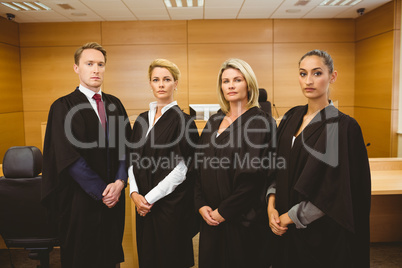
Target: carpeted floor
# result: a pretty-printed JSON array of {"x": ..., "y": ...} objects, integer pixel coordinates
[{"x": 383, "y": 255}]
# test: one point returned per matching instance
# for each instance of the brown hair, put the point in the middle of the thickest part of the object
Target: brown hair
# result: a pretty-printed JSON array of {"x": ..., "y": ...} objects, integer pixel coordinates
[
  {"x": 90, "y": 45},
  {"x": 327, "y": 59}
]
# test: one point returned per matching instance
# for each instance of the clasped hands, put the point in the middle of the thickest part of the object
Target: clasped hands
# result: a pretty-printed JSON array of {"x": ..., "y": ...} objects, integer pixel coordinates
[
  {"x": 112, "y": 193},
  {"x": 278, "y": 224},
  {"x": 211, "y": 217},
  {"x": 142, "y": 205}
]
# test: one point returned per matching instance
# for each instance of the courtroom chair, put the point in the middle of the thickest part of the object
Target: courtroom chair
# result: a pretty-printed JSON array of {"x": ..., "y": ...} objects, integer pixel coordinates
[
  {"x": 265, "y": 105},
  {"x": 23, "y": 220}
]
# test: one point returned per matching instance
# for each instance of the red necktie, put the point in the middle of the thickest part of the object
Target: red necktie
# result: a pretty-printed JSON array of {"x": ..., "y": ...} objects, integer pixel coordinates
[{"x": 101, "y": 109}]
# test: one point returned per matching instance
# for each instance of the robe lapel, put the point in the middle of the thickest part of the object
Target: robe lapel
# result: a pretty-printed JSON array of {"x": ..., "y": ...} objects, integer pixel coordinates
[
  {"x": 238, "y": 123},
  {"x": 163, "y": 124},
  {"x": 318, "y": 122},
  {"x": 91, "y": 118}
]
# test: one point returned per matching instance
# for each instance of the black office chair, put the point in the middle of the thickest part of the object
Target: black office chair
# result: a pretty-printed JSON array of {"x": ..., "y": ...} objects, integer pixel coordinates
[{"x": 23, "y": 221}]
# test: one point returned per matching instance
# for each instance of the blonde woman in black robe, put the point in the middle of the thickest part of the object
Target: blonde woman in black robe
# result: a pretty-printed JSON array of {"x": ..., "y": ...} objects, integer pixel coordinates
[
  {"x": 319, "y": 205},
  {"x": 163, "y": 142},
  {"x": 231, "y": 164}
]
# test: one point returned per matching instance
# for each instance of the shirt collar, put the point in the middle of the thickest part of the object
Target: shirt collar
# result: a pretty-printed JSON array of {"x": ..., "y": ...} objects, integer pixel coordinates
[
  {"x": 89, "y": 93},
  {"x": 153, "y": 105}
]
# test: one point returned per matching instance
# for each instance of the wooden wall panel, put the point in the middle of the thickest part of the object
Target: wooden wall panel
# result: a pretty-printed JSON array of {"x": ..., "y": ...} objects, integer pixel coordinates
[
  {"x": 205, "y": 61},
  {"x": 144, "y": 32},
  {"x": 47, "y": 74},
  {"x": 11, "y": 131},
  {"x": 314, "y": 31},
  {"x": 10, "y": 79},
  {"x": 376, "y": 22},
  {"x": 374, "y": 69},
  {"x": 11, "y": 109},
  {"x": 287, "y": 92},
  {"x": 59, "y": 34},
  {"x": 376, "y": 128},
  {"x": 229, "y": 31},
  {"x": 9, "y": 32},
  {"x": 127, "y": 73},
  {"x": 33, "y": 127}
]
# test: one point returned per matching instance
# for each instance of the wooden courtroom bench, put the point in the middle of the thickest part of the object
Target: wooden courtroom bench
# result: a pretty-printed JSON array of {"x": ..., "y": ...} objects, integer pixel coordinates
[{"x": 386, "y": 199}]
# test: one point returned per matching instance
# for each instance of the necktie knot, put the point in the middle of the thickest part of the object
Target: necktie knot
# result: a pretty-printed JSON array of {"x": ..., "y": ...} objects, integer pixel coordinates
[{"x": 97, "y": 97}]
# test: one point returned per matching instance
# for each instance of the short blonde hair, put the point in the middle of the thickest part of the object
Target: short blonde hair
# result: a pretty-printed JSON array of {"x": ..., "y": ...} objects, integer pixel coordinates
[
  {"x": 249, "y": 76},
  {"x": 163, "y": 63},
  {"x": 90, "y": 45}
]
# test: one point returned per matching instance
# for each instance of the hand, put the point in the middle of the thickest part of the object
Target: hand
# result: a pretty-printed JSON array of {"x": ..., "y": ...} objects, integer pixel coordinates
[
  {"x": 275, "y": 222},
  {"x": 285, "y": 220},
  {"x": 205, "y": 212},
  {"x": 142, "y": 205},
  {"x": 274, "y": 219},
  {"x": 216, "y": 216},
  {"x": 112, "y": 193}
]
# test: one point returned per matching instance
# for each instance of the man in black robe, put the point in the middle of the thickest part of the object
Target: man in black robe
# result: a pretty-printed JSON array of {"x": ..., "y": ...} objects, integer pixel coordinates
[{"x": 84, "y": 172}]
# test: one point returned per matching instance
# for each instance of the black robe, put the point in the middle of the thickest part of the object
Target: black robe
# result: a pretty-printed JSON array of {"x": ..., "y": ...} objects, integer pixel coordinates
[
  {"x": 328, "y": 166},
  {"x": 90, "y": 233},
  {"x": 164, "y": 235},
  {"x": 230, "y": 179}
]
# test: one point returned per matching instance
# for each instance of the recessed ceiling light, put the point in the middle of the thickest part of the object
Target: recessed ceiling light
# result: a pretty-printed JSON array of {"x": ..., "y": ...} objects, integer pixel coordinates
[
  {"x": 26, "y": 6},
  {"x": 42, "y": 5},
  {"x": 22, "y": 6},
  {"x": 11, "y": 6},
  {"x": 339, "y": 2},
  {"x": 31, "y": 5},
  {"x": 183, "y": 3}
]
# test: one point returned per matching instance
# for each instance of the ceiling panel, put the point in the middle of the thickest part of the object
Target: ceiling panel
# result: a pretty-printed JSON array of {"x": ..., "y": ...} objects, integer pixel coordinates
[
  {"x": 103, "y": 8},
  {"x": 223, "y": 3},
  {"x": 289, "y": 10},
  {"x": 145, "y": 4},
  {"x": 151, "y": 14},
  {"x": 119, "y": 10},
  {"x": 258, "y": 9},
  {"x": 182, "y": 13},
  {"x": 221, "y": 13},
  {"x": 367, "y": 4},
  {"x": 79, "y": 11},
  {"x": 323, "y": 12}
]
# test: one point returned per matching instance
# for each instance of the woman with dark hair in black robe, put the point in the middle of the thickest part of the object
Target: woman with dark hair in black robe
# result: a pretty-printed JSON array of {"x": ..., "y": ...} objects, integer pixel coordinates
[
  {"x": 231, "y": 163},
  {"x": 163, "y": 142},
  {"x": 319, "y": 205}
]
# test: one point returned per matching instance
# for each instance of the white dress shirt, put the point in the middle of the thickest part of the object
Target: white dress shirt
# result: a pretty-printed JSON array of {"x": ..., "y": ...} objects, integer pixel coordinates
[
  {"x": 173, "y": 179},
  {"x": 89, "y": 94}
]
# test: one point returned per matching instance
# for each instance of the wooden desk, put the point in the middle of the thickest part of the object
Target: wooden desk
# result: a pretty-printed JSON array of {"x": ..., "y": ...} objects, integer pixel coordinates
[
  {"x": 386, "y": 182},
  {"x": 386, "y": 199}
]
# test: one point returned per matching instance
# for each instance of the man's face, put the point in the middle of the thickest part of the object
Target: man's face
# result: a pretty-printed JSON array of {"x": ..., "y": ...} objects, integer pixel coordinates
[{"x": 91, "y": 69}]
